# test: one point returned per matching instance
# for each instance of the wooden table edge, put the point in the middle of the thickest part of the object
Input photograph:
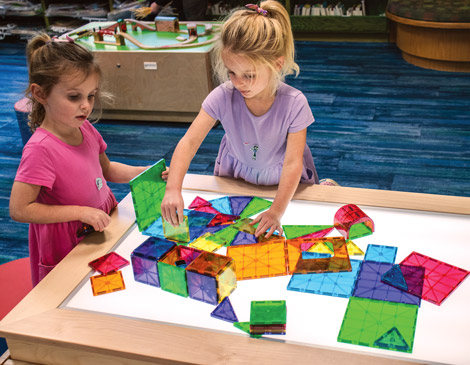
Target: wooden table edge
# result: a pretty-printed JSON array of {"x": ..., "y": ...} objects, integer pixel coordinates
[{"x": 44, "y": 301}]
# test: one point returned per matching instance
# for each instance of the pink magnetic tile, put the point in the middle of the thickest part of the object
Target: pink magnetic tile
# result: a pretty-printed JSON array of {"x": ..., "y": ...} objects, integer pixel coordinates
[
  {"x": 440, "y": 278},
  {"x": 109, "y": 262},
  {"x": 199, "y": 202}
]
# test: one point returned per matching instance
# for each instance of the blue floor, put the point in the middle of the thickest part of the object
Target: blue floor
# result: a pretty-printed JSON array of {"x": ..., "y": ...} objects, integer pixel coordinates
[{"x": 380, "y": 123}]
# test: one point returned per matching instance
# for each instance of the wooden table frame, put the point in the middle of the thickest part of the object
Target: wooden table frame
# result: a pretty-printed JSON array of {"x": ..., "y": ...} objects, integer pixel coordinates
[{"x": 39, "y": 331}]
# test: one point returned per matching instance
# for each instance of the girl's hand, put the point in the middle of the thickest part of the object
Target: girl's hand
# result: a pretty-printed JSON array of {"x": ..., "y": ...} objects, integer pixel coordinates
[
  {"x": 165, "y": 174},
  {"x": 95, "y": 217},
  {"x": 268, "y": 221},
  {"x": 173, "y": 208}
]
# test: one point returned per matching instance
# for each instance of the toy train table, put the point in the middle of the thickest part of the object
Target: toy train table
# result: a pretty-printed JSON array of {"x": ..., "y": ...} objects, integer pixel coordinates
[{"x": 158, "y": 71}]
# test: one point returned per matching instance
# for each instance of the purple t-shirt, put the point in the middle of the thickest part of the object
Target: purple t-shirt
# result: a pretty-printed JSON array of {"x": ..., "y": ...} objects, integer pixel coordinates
[
  {"x": 68, "y": 175},
  {"x": 253, "y": 147}
]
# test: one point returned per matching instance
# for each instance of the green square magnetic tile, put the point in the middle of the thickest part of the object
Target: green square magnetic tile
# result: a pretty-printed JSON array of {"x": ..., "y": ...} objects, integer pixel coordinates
[
  {"x": 268, "y": 312},
  {"x": 148, "y": 189},
  {"x": 379, "y": 324},
  {"x": 173, "y": 279},
  {"x": 179, "y": 233}
]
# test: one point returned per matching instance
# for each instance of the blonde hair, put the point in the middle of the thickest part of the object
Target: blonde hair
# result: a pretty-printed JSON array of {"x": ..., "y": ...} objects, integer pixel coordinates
[
  {"x": 261, "y": 39},
  {"x": 48, "y": 61}
]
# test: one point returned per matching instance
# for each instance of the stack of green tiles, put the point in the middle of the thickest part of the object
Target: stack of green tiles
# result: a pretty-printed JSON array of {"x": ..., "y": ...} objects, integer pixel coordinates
[{"x": 268, "y": 317}]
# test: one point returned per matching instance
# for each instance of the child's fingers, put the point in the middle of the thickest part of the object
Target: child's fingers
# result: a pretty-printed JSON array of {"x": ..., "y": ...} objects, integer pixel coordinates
[
  {"x": 262, "y": 227},
  {"x": 180, "y": 215},
  {"x": 269, "y": 232},
  {"x": 170, "y": 216}
]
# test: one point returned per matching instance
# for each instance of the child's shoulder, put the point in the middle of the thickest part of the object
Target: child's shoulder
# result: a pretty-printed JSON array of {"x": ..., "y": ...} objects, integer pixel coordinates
[
  {"x": 288, "y": 91},
  {"x": 37, "y": 138}
]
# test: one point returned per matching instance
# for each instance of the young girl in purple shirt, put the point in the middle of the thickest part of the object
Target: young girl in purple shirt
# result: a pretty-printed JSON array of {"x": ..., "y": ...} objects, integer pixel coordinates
[
  {"x": 61, "y": 182},
  {"x": 264, "y": 119}
]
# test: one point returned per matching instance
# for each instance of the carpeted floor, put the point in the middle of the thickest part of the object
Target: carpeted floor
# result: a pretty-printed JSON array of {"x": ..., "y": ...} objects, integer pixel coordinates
[{"x": 380, "y": 123}]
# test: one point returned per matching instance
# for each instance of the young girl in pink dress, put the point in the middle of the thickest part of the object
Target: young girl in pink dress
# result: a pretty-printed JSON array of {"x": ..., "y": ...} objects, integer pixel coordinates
[
  {"x": 61, "y": 182},
  {"x": 265, "y": 120}
]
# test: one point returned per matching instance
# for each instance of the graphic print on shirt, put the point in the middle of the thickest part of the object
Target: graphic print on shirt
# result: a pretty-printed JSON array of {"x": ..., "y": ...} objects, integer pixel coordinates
[
  {"x": 99, "y": 183},
  {"x": 254, "y": 149}
]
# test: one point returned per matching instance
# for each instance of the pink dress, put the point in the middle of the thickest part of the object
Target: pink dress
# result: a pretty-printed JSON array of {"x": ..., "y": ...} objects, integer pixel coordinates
[
  {"x": 68, "y": 175},
  {"x": 253, "y": 147}
]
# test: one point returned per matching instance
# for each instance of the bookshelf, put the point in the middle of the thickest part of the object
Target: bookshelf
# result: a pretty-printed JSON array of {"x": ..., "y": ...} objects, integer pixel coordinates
[
  {"x": 374, "y": 26},
  {"x": 371, "y": 27},
  {"x": 27, "y": 18}
]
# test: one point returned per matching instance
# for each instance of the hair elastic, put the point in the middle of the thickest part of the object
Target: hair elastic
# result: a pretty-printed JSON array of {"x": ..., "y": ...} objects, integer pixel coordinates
[
  {"x": 57, "y": 39},
  {"x": 257, "y": 9}
]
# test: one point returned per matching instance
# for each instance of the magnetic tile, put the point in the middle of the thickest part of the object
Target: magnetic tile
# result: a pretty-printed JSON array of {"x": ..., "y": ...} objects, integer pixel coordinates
[
  {"x": 199, "y": 202},
  {"x": 353, "y": 249},
  {"x": 207, "y": 209},
  {"x": 215, "y": 229},
  {"x": 155, "y": 229},
  {"x": 202, "y": 287},
  {"x": 306, "y": 231},
  {"x": 395, "y": 277},
  {"x": 219, "y": 267},
  {"x": 259, "y": 260},
  {"x": 227, "y": 281},
  {"x": 352, "y": 222},
  {"x": 243, "y": 238},
  {"x": 225, "y": 311},
  {"x": 407, "y": 278},
  {"x": 103, "y": 284},
  {"x": 337, "y": 284},
  {"x": 173, "y": 279},
  {"x": 209, "y": 263},
  {"x": 145, "y": 271},
  {"x": 440, "y": 278},
  {"x": 306, "y": 255},
  {"x": 207, "y": 242},
  {"x": 369, "y": 285},
  {"x": 319, "y": 245},
  {"x": 338, "y": 262},
  {"x": 221, "y": 218},
  {"x": 268, "y": 312},
  {"x": 238, "y": 203},
  {"x": 380, "y": 324},
  {"x": 147, "y": 190},
  {"x": 197, "y": 222},
  {"x": 379, "y": 253},
  {"x": 294, "y": 253},
  {"x": 172, "y": 275},
  {"x": 245, "y": 327},
  {"x": 109, "y": 262},
  {"x": 256, "y": 205},
  {"x": 227, "y": 234},
  {"x": 197, "y": 218},
  {"x": 243, "y": 225},
  {"x": 179, "y": 233},
  {"x": 268, "y": 330},
  {"x": 222, "y": 205},
  {"x": 144, "y": 259}
]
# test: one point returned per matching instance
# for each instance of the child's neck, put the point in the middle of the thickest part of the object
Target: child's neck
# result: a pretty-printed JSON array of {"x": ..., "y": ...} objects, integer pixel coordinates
[
  {"x": 259, "y": 106},
  {"x": 71, "y": 136}
]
